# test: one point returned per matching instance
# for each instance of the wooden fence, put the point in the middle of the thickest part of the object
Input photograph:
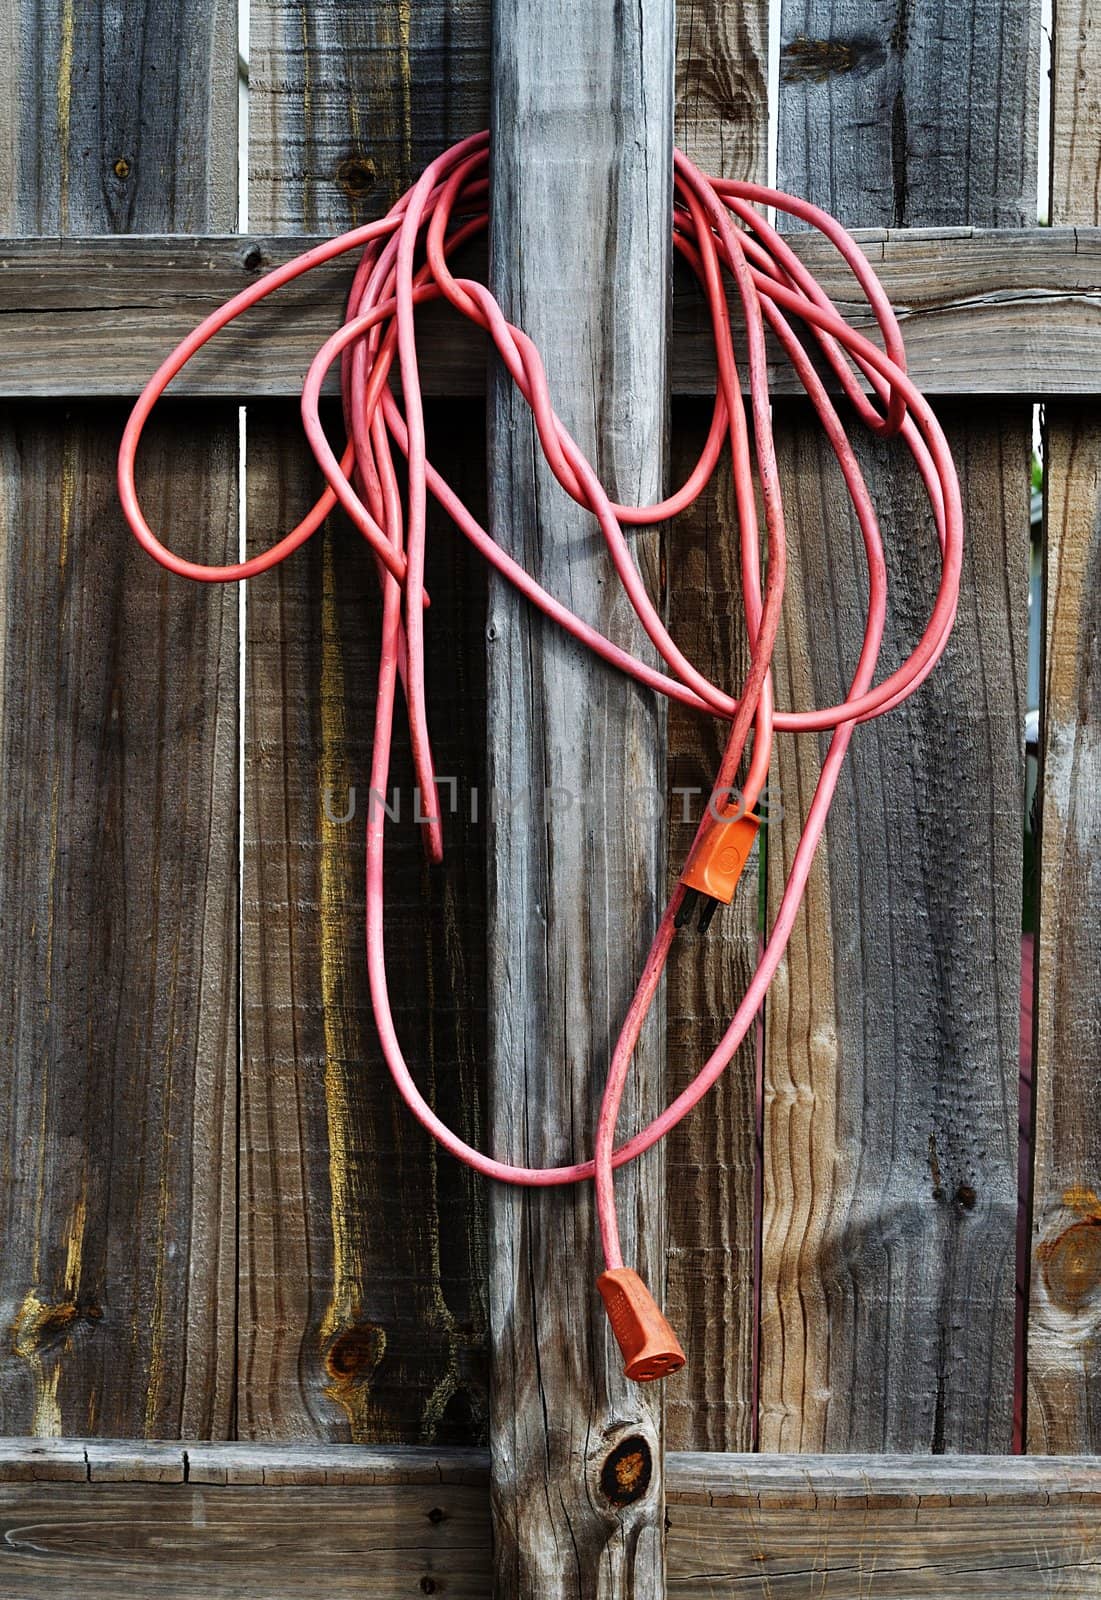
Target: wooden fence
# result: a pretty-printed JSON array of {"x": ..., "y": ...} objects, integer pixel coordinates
[{"x": 218, "y": 1225}]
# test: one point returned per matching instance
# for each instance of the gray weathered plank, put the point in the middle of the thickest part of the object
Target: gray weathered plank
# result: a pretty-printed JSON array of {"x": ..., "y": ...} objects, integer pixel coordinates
[
  {"x": 890, "y": 1136},
  {"x": 118, "y": 857},
  {"x": 240, "y": 1522},
  {"x": 983, "y": 311},
  {"x": 1064, "y": 1350},
  {"x": 363, "y": 1306},
  {"x": 892, "y": 1033},
  {"x": 349, "y": 102},
  {"x": 909, "y": 115},
  {"x": 118, "y": 119},
  {"x": 582, "y": 116}
]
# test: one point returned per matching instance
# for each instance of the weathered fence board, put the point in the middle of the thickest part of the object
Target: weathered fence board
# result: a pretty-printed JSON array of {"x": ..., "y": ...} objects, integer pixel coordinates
[
  {"x": 1064, "y": 1349},
  {"x": 911, "y": 115},
  {"x": 582, "y": 118},
  {"x": 260, "y": 1523},
  {"x": 711, "y": 1226},
  {"x": 362, "y": 1290},
  {"x": 117, "y": 863},
  {"x": 362, "y": 1250},
  {"x": 892, "y": 1033},
  {"x": 983, "y": 311},
  {"x": 711, "y": 1167},
  {"x": 349, "y": 101}
]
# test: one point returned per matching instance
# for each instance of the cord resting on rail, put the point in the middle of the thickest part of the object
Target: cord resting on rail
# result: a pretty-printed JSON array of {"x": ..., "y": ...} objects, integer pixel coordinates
[{"x": 718, "y": 230}]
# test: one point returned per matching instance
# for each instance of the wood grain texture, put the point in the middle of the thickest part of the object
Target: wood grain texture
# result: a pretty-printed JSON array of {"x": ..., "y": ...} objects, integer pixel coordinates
[
  {"x": 118, "y": 871},
  {"x": 721, "y": 123},
  {"x": 582, "y": 118},
  {"x": 711, "y": 1166},
  {"x": 892, "y": 1032},
  {"x": 1064, "y": 1347},
  {"x": 721, "y": 117},
  {"x": 1064, "y": 1365},
  {"x": 890, "y": 1133},
  {"x": 911, "y": 115},
  {"x": 349, "y": 102},
  {"x": 258, "y": 1523},
  {"x": 875, "y": 1528},
  {"x": 117, "y": 912},
  {"x": 362, "y": 1262},
  {"x": 1075, "y": 113},
  {"x": 983, "y": 312},
  {"x": 118, "y": 118},
  {"x": 362, "y": 1246}
]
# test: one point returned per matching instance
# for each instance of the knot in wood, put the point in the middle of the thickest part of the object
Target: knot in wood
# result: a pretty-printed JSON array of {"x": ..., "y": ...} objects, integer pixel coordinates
[{"x": 627, "y": 1471}]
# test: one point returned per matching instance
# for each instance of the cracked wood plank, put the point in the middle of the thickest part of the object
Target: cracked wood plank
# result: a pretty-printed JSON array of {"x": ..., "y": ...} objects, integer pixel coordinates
[{"x": 582, "y": 112}]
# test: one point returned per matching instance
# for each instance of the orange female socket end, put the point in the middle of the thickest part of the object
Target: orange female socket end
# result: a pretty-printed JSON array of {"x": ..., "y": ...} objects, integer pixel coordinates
[
  {"x": 650, "y": 1347},
  {"x": 716, "y": 864}
]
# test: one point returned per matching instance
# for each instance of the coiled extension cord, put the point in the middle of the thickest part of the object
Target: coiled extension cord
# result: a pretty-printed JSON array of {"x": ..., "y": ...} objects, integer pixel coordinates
[{"x": 717, "y": 231}]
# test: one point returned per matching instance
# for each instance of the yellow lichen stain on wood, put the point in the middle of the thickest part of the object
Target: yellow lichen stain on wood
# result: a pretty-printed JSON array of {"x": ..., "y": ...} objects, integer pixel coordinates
[
  {"x": 68, "y": 495},
  {"x": 351, "y": 1349},
  {"x": 74, "y": 1246},
  {"x": 36, "y": 1327},
  {"x": 42, "y": 1333},
  {"x": 64, "y": 104}
]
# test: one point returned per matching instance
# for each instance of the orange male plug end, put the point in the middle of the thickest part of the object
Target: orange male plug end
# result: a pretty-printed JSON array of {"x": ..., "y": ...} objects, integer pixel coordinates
[
  {"x": 716, "y": 864},
  {"x": 650, "y": 1347}
]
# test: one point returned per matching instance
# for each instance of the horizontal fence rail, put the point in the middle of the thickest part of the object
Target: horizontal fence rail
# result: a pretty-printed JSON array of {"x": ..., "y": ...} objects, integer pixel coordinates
[
  {"x": 247, "y": 1521},
  {"x": 983, "y": 311}
]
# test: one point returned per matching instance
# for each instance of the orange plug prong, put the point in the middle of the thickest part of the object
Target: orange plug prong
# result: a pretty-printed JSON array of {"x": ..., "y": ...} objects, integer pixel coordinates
[
  {"x": 650, "y": 1347},
  {"x": 717, "y": 863}
]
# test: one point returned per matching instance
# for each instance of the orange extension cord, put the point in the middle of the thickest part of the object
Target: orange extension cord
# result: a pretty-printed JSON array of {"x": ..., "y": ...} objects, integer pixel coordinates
[{"x": 715, "y": 229}]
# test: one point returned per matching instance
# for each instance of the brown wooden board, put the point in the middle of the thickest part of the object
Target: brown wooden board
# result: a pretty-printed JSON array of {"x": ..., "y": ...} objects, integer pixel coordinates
[
  {"x": 1064, "y": 1358},
  {"x": 238, "y": 1522},
  {"x": 362, "y": 1245},
  {"x": 1063, "y": 1346},
  {"x": 892, "y": 1031},
  {"x": 983, "y": 311},
  {"x": 349, "y": 102},
  {"x": 117, "y": 867},
  {"x": 710, "y": 1173},
  {"x": 362, "y": 1248},
  {"x": 711, "y": 1157},
  {"x": 890, "y": 1142}
]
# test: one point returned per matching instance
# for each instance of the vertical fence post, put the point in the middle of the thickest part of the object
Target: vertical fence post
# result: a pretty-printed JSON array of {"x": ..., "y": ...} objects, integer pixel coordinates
[{"x": 582, "y": 100}]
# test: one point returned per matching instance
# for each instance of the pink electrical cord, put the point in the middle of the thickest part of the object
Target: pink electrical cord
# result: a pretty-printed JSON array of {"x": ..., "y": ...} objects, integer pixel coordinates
[{"x": 715, "y": 229}]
